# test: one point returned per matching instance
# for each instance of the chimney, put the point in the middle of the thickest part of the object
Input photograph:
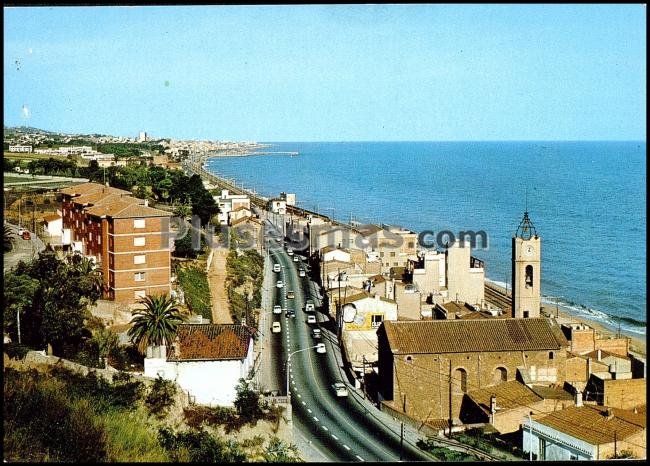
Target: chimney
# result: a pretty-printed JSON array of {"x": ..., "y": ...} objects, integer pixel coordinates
[
  {"x": 599, "y": 354},
  {"x": 578, "y": 399},
  {"x": 146, "y": 202},
  {"x": 609, "y": 413},
  {"x": 493, "y": 404},
  {"x": 636, "y": 410}
]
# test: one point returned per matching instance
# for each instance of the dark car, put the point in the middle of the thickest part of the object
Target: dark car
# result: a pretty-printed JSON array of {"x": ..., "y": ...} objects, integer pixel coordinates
[{"x": 290, "y": 313}]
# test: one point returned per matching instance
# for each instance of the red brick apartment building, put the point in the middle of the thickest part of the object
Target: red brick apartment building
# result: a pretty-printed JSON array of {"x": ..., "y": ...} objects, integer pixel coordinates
[{"x": 127, "y": 238}]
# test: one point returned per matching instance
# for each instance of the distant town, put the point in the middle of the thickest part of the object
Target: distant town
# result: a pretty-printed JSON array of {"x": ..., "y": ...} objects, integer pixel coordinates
[{"x": 147, "y": 286}]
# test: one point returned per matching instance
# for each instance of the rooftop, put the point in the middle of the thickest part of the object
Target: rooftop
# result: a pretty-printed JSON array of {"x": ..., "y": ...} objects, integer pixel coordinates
[
  {"x": 592, "y": 424},
  {"x": 509, "y": 395},
  {"x": 209, "y": 342},
  {"x": 462, "y": 336},
  {"x": 88, "y": 188}
]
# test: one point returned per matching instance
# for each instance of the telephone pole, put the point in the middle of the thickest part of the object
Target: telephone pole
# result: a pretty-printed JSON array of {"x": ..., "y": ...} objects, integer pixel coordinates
[{"x": 450, "y": 414}]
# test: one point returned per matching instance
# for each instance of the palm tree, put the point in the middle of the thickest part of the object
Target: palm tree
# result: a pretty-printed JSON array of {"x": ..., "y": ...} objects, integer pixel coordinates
[
  {"x": 157, "y": 323},
  {"x": 86, "y": 271},
  {"x": 7, "y": 238}
]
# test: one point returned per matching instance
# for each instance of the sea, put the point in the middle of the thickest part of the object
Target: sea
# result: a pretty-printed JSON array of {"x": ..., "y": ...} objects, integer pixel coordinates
[{"x": 587, "y": 201}]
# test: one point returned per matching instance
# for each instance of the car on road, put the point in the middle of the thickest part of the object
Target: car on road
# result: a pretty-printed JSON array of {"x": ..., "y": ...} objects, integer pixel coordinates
[
  {"x": 316, "y": 333},
  {"x": 309, "y": 306},
  {"x": 290, "y": 313},
  {"x": 290, "y": 294},
  {"x": 277, "y": 309},
  {"x": 340, "y": 389},
  {"x": 279, "y": 284},
  {"x": 296, "y": 259},
  {"x": 311, "y": 319},
  {"x": 276, "y": 267},
  {"x": 301, "y": 272},
  {"x": 276, "y": 327},
  {"x": 320, "y": 348},
  {"x": 290, "y": 251}
]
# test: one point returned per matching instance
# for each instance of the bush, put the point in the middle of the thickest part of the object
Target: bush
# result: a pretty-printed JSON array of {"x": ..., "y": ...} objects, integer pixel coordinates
[
  {"x": 196, "y": 416},
  {"x": 16, "y": 350},
  {"x": 126, "y": 358},
  {"x": 160, "y": 397},
  {"x": 194, "y": 282},
  {"x": 200, "y": 447},
  {"x": 130, "y": 440},
  {"x": 247, "y": 402}
]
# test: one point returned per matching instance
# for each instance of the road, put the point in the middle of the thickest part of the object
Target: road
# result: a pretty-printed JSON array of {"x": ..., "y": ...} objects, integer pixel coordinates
[
  {"x": 341, "y": 428},
  {"x": 24, "y": 250}
]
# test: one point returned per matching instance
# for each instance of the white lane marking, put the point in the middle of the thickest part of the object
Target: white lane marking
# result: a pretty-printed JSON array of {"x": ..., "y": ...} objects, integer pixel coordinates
[
  {"x": 346, "y": 447},
  {"x": 324, "y": 428},
  {"x": 315, "y": 419},
  {"x": 309, "y": 410},
  {"x": 334, "y": 437},
  {"x": 293, "y": 383},
  {"x": 304, "y": 404},
  {"x": 359, "y": 458},
  {"x": 298, "y": 395}
]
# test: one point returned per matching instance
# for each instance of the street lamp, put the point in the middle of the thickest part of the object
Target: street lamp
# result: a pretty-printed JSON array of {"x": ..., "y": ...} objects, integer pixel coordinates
[{"x": 289, "y": 360}]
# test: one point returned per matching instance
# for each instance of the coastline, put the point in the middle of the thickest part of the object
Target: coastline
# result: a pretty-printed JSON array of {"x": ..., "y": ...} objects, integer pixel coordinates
[{"x": 565, "y": 314}]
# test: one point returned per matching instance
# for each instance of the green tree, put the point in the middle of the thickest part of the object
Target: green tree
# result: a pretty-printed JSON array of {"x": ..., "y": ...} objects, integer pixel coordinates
[
  {"x": 247, "y": 402},
  {"x": 19, "y": 292},
  {"x": 160, "y": 397},
  {"x": 106, "y": 341},
  {"x": 183, "y": 210},
  {"x": 279, "y": 452},
  {"x": 7, "y": 238},
  {"x": 157, "y": 323}
]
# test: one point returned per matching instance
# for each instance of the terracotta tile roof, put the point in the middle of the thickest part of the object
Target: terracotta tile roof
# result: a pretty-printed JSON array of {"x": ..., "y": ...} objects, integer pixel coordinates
[
  {"x": 99, "y": 198},
  {"x": 87, "y": 188},
  {"x": 552, "y": 393},
  {"x": 452, "y": 308},
  {"x": 379, "y": 278},
  {"x": 210, "y": 342},
  {"x": 603, "y": 354},
  {"x": 327, "y": 249},
  {"x": 125, "y": 208},
  {"x": 51, "y": 218},
  {"x": 461, "y": 336},
  {"x": 479, "y": 315},
  {"x": 509, "y": 395},
  {"x": 245, "y": 219},
  {"x": 591, "y": 424},
  {"x": 241, "y": 207},
  {"x": 359, "y": 296}
]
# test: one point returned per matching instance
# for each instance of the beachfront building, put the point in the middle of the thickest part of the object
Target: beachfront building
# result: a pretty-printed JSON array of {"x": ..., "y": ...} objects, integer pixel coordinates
[
  {"x": 129, "y": 240},
  {"x": 586, "y": 433},
  {"x": 417, "y": 358},
  {"x": 526, "y": 270},
  {"x": 278, "y": 206},
  {"x": 228, "y": 203},
  {"x": 206, "y": 360}
]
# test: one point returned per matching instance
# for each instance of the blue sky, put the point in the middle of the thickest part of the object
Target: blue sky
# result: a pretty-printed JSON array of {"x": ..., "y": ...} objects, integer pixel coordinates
[{"x": 323, "y": 73}]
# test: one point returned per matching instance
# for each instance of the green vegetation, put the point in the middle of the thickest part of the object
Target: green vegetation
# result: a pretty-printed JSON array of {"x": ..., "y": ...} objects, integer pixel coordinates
[
  {"x": 51, "y": 296},
  {"x": 474, "y": 438},
  {"x": 156, "y": 324},
  {"x": 200, "y": 447},
  {"x": 183, "y": 246},
  {"x": 160, "y": 397},
  {"x": 244, "y": 275},
  {"x": 7, "y": 238},
  {"x": 194, "y": 282},
  {"x": 444, "y": 454}
]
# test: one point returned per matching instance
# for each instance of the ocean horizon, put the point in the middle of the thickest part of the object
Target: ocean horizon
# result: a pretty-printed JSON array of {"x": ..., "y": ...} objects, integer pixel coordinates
[{"x": 586, "y": 199}]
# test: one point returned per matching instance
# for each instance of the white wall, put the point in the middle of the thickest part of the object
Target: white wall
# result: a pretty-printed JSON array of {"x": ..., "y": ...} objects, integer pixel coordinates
[{"x": 559, "y": 446}]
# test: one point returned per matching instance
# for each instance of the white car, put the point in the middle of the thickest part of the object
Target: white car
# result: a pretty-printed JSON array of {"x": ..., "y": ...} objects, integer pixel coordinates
[
  {"x": 301, "y": 273},
  {"x": 279, "y": 284},
  {"x": 311, "y": 319},
  {"x": 290, "y": 252},
  {"x": 276, "y": 327},
  {"x": 276, "y": 267},
  {"x": 295, "y": 258},
  {"x": 277, "y": 309},
  {"x": 340, "y": 389},
  {"x": 320, "y": 348}
]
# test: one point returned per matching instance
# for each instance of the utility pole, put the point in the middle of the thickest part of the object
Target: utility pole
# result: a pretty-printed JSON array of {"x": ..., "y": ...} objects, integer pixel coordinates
[
  {"x": 363, "y": 376},
  {"x": 18, "y": 323},
  {"x": 615, "y": 445},
  {"x": 530, "y": 439},
  {"x": 450, "y": 415},
  {"x": 401, "y": 442}
]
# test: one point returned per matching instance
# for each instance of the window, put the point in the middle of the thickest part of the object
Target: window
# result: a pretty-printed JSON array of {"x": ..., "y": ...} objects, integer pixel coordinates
[
  {"x": 140, "y": 259},
  {"x": 138, "y": 276},
  {"x": 394, "y": 264},
  {"x": 526, "y": 314},
  {"x": 90, "y": 237},
  {"x": 381, "y": 254},
  {"x": 500, "y": 375},
  {"x": 460, "y": 380},
  {"x": 138, "y": 241},
  {"x": 550, "y": 355},
  {"x": 138, "y": 223},
  {"x": 392, "y": 254},
  {"x": 529, "y": 276},
  {"x": 140, "y": 294},
  {"x": 376, "y": 320},
  {"x": 99, "y": 239},
  {"x": 573, "y": 457},
  {"x": 411, "y": 245}
]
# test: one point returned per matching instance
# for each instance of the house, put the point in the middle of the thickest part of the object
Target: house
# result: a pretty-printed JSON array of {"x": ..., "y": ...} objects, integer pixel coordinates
[
  {"x": 584, "y": 339},
  {"x": 418, "y": 360},
  {"x": 207, "y": 360},
  {"x": 278, "y": 206},
  {"x": 239, "y": 213},
  {"x": 129, "y": 240},
  {"x": 53, "y": 224},
  {"x": 331, "y": 253},
  {"x": 586, "y": 433},
  {"x": 230, "y": 202}
]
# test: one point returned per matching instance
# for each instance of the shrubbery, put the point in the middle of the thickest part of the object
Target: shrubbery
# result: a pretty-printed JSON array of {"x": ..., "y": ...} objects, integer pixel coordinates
[
  {"x": 200, "y": 447},
  {"x": 194, "y": 282},
  {"x": 160, "y": 397}
]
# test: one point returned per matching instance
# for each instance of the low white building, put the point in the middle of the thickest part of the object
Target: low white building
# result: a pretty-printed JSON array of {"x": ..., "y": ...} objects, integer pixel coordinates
[
  {"x": 230, "y": 202},
  {"x": 331, "y": 253},
  {"x": 278, "y": 206},
  {"x": 18, "y": 148},
  {"x": 53, "y": 224},
  {"x": 206, "y": 360},
  {"x": 585, "y": 433}
]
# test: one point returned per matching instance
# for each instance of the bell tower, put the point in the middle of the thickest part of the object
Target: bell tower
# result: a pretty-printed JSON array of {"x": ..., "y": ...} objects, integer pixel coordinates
[{"x": 526, "y": 270}]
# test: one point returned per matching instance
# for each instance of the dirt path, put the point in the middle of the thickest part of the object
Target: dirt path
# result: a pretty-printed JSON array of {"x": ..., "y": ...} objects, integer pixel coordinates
[{"x": 217, "y": 282}]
